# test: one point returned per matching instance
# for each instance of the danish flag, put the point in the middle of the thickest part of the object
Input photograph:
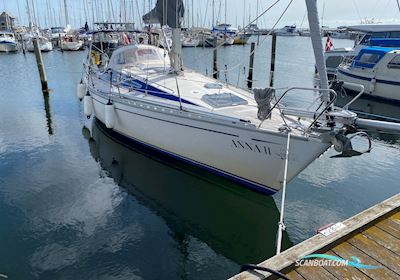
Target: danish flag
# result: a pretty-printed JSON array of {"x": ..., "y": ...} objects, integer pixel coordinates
[{"x": 329, "y": 44}]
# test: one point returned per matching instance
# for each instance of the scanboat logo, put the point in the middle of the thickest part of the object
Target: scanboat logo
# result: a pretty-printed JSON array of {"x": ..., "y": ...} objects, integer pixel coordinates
[{"x": 328, "y": 260}]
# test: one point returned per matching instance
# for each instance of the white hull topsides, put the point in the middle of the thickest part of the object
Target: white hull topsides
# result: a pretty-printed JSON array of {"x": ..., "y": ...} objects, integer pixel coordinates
[
  {"x": 251, "y": 157},
  {"x": 45, "y": 46},
  {"x": 72, "y": 46}
]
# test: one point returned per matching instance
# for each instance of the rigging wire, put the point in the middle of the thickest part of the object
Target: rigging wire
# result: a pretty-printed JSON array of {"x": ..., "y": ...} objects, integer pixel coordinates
[{"x": 269, "y": 33}]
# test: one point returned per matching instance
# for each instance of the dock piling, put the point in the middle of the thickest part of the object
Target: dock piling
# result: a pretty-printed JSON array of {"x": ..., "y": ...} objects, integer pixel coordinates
[
  {"x": 60, "y": 43},
  {"x": 250, "y": 77},
  {"x": 215, "y": 59},
  {"x": 22, "y": 44},
  {"x": 273, "y": 55},
  {"x": 40, "y": 64}
]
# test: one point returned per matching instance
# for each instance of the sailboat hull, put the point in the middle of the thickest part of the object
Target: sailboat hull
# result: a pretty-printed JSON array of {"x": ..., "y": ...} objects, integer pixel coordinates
[{"x": 250, "y": 157}]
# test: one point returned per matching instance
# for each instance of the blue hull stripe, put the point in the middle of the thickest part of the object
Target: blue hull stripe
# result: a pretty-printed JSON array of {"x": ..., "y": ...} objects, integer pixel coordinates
[
  {"x": 388, "y": 82},
  {"x": 369, "y": 79},
  {"x": 354, "y": 76},
  {"x": 143, "y": 87}
]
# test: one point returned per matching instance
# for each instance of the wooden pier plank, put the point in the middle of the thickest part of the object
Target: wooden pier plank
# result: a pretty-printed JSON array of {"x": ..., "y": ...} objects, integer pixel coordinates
[
  {"x": 293, "y": 275},
  {"x": 345, "y": 272},
  {"x": 391, "y": 226},
  {"x": 383, "y": 238},
  {"x": 395, "y": 217},
  {"x": 346, "y": 251},
  {"x": 353, "y": 240},
  {"x": 377, "y": 252},
  {"x": 314, "y": 273}
]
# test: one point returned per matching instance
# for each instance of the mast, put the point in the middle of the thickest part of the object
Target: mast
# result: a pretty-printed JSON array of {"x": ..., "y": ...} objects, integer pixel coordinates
[
  {"x": 213, "y": 16},
  {"x": 244, "y": 14},
  {"x": 225, "y": 15},
  {"x": 192, "y": 14},
  {"x": 315, "y": 32},
  {"x": 28, "y": 10},
  {"x": 257, "y": 13},
  {"x": 66, "y": 13}
]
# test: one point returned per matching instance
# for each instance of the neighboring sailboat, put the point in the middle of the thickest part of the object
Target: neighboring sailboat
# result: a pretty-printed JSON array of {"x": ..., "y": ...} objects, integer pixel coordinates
[
  {"x": 144, "y": 94},
  {"x": 190, "y": 41},
  {"x": 45, "y": 44},
  {"x": 72, "y": 42}
]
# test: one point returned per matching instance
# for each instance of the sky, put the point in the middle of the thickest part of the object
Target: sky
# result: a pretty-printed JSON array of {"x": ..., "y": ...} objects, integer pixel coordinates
[{"x": 332, "y": 12}]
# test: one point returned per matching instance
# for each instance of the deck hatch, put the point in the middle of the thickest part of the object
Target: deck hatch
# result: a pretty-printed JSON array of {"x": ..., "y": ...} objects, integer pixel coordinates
[{"x": 223, "y": 99}]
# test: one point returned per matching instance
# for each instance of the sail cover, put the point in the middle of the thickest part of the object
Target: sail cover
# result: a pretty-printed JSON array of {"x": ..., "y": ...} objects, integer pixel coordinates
[{"x": 166, "y": 12}]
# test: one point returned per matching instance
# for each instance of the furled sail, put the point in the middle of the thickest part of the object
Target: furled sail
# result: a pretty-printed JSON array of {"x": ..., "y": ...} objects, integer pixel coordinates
[{"x": 166, "y": 12}]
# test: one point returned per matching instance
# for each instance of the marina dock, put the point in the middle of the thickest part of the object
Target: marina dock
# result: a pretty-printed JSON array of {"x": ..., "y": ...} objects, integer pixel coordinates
[{"x": 372, "y": 236}]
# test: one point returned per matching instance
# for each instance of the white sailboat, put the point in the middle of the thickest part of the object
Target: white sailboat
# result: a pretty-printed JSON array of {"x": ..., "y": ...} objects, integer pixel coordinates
[
  {"x": 45, "y": 44},
  {"x": 145, "y": 95},
  {"x": 72, "y": 42}
]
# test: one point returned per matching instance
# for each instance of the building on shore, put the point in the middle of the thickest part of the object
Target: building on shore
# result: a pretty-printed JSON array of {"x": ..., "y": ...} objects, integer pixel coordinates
[{"x": 6, "y": 21}]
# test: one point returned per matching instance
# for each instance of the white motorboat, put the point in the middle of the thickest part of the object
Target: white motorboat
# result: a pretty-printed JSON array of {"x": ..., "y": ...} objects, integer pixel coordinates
[
  {"x": 377, "y": 69},
  {"x": 45, "y": 44},
  {"x": 340, "y": 33},
  {"x": 146, "y": 96},
  {"x": 369, "y": 35},
  {"x": 8, "y": 42},
  {"x": 225, "y": 32},
  {"x": 57, "y": 34},
  {"x": 288, "y": 30}
]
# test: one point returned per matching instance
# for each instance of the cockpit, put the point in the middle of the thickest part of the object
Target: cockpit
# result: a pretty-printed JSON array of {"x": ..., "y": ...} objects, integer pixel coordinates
[{"x": 143, "y": 56}]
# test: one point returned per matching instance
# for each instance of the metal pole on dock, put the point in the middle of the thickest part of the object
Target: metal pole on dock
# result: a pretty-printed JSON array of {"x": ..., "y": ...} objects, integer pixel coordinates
[
  {"x": 250, "y": 77},
  {"x": 40, "y": 64},
  {"x": 281, "y": 226},
  {"x": 273, "y": 55},
  {"x": 215, "y": 59}
]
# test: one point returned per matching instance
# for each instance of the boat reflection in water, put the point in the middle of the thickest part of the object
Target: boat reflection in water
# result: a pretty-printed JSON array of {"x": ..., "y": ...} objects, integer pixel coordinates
[{"x": 235, "y": 222}]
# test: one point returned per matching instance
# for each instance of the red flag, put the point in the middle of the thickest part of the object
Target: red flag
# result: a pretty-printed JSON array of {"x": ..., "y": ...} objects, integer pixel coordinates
[{"x": 329, "y": 44}]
